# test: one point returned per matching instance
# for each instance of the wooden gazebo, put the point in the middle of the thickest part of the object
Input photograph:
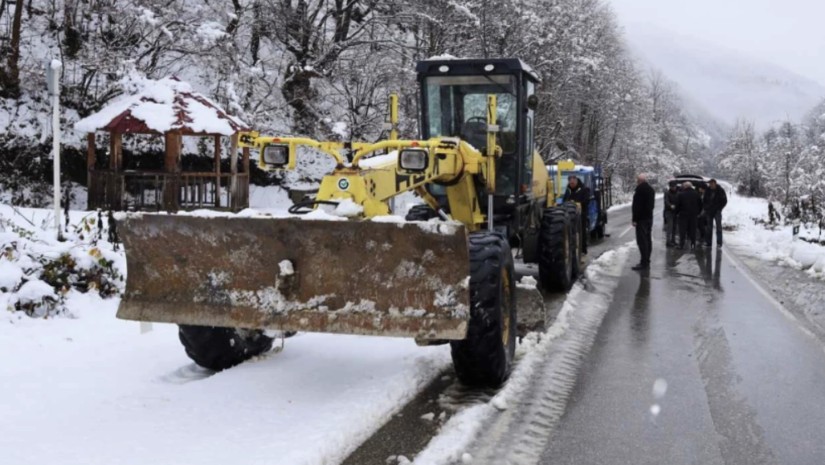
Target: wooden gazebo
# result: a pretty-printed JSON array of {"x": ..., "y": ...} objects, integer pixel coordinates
[{"x": 168, "y": 108}]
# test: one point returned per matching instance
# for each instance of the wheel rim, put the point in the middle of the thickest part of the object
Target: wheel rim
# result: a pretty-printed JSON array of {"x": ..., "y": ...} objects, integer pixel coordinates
[{"x": 505, "y": 308}]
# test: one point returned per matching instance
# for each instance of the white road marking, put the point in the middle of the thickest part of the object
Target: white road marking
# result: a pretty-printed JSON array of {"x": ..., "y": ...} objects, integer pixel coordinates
[
  {"x": 624, "y": 233},
  {"x": 737, "y": 262}
]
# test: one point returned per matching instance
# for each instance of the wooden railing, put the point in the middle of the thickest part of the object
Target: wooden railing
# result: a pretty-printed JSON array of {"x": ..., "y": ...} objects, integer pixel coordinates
[{"x": 157, "y": 190}]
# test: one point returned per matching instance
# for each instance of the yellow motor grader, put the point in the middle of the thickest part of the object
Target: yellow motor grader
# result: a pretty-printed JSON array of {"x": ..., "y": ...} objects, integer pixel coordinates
[{"x": 444, "y": 276}]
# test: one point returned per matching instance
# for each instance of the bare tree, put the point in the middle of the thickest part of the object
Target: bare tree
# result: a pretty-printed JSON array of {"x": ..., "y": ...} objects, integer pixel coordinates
[
  {"x": 315, "y": 33},
  {"x": 10, "y": 74}
]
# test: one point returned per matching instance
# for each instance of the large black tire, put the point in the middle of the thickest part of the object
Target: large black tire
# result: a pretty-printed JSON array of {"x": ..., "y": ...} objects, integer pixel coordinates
[
  {"x": 485, "y": 357},
  {"x": 576, "y": 246},
  {"x": 555, "y": 257},
  {"x": 420, "y": 213},
  {"x": 222, "y": 348}
]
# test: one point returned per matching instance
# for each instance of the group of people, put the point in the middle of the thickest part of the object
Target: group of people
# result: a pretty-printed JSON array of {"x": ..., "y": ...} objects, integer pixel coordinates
[{"x": 693, "y": 210}]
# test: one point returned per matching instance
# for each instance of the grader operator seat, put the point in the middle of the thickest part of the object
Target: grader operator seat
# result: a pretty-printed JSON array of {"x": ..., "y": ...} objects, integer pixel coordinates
[{"x": 474, "y": 131}]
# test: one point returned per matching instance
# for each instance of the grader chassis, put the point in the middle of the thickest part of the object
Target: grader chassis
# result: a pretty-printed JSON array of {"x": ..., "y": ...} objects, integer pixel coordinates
[{"x": 449, "y": 279}]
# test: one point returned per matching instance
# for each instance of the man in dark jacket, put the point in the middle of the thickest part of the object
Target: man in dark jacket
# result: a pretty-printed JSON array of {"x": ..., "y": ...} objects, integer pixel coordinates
[
  {"x": 670, "y": 215},
  {"x": 701, "y": 222},
  {"x": 688, "y": 207},
  {"x": 579, "y": 193},
  {"x": 714, "y": 202},
  {"x": 644, "y": 201}
]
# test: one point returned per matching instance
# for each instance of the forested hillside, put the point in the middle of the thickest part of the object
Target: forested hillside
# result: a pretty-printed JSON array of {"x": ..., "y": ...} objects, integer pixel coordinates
[
  {"x": 323, "y": 68},
  {"x": 785, "y": 163}
]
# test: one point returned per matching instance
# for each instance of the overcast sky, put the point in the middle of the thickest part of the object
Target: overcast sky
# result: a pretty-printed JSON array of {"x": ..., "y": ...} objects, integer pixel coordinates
[{"x": 789, "y": 33}]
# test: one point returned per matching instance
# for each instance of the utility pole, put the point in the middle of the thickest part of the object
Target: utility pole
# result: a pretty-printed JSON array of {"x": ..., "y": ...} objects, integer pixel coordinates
[{"x": 53, "y": 78}]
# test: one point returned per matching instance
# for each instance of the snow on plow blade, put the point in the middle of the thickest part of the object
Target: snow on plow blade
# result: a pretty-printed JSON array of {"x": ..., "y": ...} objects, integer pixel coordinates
[{"x": 353, "y": 277}]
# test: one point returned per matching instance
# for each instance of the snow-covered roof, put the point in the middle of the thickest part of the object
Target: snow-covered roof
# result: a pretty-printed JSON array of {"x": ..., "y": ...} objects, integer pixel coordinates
[
  {"x": 447, "y": 56},
  {"x": 578, "y": 168},
  {"x": 160, "y": 106}
]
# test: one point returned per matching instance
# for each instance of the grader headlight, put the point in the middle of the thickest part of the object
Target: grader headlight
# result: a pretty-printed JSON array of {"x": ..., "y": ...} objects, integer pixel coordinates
[
  {"x": 413, "y": 159},
  {"x": 276, "y": 156}
]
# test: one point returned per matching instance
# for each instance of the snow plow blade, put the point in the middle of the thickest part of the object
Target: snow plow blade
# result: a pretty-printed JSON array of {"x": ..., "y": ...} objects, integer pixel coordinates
[{"x": 351, "y": 277}]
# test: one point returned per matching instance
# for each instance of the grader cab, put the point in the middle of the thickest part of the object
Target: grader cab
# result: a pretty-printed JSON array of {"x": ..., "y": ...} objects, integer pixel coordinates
[{"x": 447, "y": 279}]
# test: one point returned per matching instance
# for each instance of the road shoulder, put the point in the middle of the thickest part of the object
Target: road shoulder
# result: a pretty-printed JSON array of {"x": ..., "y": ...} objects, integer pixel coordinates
[{"x": 795, "y": 291}]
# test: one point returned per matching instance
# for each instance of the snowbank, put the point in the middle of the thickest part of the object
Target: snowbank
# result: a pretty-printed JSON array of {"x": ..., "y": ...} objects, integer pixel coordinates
[{"x": 777, "y": 244}]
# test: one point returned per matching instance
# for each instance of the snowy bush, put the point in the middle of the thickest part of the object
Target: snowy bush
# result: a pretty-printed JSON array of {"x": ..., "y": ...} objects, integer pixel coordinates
[
  {"x": 37, "y": 271},
  {"x": 97, "y": 274},
  {"x": 36, "y": 298}
]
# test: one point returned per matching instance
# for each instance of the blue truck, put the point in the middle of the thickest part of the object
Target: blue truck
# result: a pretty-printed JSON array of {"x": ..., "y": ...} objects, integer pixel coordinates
[{"x": 594, "y": 178}]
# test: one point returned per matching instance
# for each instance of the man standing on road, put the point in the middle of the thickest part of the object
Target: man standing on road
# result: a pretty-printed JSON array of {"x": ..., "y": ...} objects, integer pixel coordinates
[
  {"x": 579, "y": 193},
  {"x": 670, "y": 215},
  {"x": 644, "y": 201},
  {"x": 715, "y": 201},
  {"x": 688, "y": 207},
  {"x": 701, "y": 223}
]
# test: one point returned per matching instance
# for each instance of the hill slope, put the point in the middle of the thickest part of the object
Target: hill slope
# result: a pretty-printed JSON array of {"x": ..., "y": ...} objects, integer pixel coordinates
[{"x": 728, "y": 84}]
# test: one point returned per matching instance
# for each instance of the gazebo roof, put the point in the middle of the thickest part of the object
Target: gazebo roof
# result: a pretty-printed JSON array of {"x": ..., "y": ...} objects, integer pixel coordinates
[{"x": 161, "y": 106}]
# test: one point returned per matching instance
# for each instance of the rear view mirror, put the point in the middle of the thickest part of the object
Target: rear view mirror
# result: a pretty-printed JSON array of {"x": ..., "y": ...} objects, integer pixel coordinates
[{"x": 532, "y": 102}]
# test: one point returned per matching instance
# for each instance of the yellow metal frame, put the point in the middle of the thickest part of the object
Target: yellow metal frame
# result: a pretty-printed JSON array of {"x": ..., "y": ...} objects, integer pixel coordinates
[
  {"x": 564, "y": 165},
  {"x": 393, "y": 112},
  {"x": 450, "y": 162}
]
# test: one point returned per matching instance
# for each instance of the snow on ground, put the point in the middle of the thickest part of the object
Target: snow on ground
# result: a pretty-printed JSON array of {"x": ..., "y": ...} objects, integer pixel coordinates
[
  {"x": 90, "y": 388},
  {"x": 94, "y": 390},
  {"x": 776, "y": 245},
  {"x": 268, "y": 197}
]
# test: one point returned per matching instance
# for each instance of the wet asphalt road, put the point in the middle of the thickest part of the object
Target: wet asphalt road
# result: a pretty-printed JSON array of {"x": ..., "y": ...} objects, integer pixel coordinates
[{"x": 745, "y": 384}]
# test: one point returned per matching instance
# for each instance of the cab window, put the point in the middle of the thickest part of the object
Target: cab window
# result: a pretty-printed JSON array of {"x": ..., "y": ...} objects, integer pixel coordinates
[{"x": 456, "y": 106}]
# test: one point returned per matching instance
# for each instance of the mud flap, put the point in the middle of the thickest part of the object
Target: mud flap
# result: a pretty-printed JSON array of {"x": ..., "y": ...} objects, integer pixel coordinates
[
  {"x": 353, "y": 277},
  {"x": 532, "y": 314}
]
